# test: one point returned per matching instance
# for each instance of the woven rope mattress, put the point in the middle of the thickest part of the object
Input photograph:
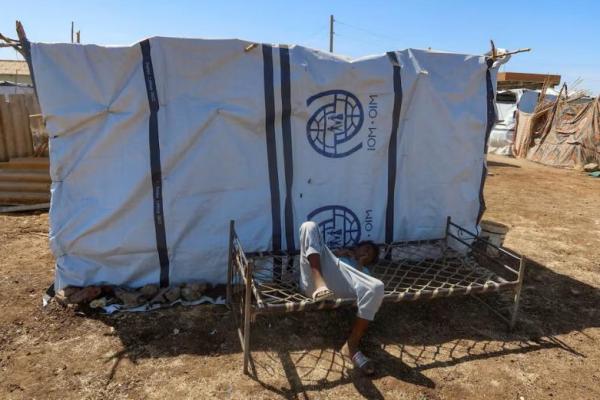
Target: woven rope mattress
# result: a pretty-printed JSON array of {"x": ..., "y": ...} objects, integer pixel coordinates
[{"x": 409, "y": 271}]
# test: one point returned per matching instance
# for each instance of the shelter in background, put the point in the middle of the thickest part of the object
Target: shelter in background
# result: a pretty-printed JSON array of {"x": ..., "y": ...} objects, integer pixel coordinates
[
  {"x": 564, "y": 132},
  {"x": 516, "y": 91},
  {"x": 508, "y": 103},
  {"x": 15, "y": 71},
  {"x": 24, "y": 171}
]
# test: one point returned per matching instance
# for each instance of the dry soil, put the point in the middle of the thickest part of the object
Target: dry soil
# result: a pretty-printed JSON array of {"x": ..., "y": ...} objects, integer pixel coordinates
[{"x": 446, "y": 349}]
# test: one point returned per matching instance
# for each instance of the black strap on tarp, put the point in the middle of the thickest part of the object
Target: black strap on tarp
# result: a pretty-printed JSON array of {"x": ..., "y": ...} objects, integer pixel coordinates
[
  {"x": 393, "y": 149},
  {"x": 286, "y": 127},
  {"x": 155, "y": 167},
  {"x": 269, "y": 92},
  {"x": 491, "y": 120}
]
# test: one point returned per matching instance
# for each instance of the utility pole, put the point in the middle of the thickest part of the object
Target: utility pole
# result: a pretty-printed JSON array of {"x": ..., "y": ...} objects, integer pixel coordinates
[
  {"x": 331, "y": 33},
  {"x": 72, "y": 32}
]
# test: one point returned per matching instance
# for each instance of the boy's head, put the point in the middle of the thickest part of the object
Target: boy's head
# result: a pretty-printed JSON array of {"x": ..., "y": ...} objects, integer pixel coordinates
[{"x": 367, "y": 251}]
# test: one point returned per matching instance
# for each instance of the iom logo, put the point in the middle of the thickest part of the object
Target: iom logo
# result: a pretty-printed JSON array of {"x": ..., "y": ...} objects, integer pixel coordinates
[
  {"x": 333, "y": 127},
  {"x": 338, "y": 224}
]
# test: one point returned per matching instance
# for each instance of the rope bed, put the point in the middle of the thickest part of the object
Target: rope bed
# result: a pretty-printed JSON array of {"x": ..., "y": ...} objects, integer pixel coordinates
[
  {"x": 457, "y": 265},
  {"x": 450, "y": 274}
]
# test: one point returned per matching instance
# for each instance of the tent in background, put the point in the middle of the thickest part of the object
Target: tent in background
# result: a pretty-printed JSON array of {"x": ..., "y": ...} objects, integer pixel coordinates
[{"x": 561, "y": 133}]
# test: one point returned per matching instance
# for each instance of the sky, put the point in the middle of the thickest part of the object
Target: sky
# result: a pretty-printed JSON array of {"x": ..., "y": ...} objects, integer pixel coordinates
[{"x": 563, "y": 35}]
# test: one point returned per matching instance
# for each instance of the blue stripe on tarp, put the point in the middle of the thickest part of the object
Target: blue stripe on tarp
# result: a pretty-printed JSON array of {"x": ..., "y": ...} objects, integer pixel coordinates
[
  {"x": 271, "y": 146},
  {"x": 393, "y": 149},
  {"x": 286, "y": 127},
  {"x": 491, "y": 120},
  {"x": 155, "y": 168}
]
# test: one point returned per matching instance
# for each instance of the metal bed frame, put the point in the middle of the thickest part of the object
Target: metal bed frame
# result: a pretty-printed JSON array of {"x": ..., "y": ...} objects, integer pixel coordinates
[{"x": 459, "y": 264}]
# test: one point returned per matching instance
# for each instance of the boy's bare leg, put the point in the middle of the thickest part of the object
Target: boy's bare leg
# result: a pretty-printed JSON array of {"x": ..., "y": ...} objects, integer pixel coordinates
[
  {"x": 351, "y": 347},
  {"x": 358, "y": 331},
  {"x": 315, "y": 266}
]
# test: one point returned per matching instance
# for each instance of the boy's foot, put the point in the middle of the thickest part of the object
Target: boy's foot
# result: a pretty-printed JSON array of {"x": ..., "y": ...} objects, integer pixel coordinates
[
  {"x": 361, "y": 362},
  {"x": 322, "y": 294}
]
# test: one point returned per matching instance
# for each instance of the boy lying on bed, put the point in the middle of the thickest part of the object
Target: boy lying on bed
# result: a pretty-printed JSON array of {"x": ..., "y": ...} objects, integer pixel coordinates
[{"x": 326, "y": 275}]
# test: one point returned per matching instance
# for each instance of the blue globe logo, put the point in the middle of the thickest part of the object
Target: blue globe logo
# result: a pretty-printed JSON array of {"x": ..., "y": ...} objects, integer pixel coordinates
[
  {"x": 339, "y": 226},
  {"x": 334, "y": 124}
]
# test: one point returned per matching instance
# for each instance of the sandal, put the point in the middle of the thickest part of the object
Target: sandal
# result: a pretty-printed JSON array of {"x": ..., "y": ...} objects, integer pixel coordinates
[
  {"x": 322, "y": 294},
  {"x": 363, "y": 363}
]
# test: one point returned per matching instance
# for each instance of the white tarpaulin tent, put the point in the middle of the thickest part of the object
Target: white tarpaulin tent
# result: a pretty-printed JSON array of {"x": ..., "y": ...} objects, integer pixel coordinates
[{"x": 155, "y": 147}]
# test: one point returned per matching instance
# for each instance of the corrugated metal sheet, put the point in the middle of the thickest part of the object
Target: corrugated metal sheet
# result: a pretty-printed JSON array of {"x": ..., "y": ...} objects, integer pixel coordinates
[
  {"x": 24, "y": 180},
  {"x": 15, "y": 133}
]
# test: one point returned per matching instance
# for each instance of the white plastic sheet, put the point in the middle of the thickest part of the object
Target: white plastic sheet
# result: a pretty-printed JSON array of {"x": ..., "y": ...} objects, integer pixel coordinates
[
  {"x": 154, "y": 154},
  {"x": 503, "y": 135}
]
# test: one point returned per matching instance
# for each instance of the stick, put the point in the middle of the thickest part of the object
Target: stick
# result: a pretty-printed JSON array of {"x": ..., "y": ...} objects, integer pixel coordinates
[
  {"x": 527, "y": 49},
  {"x": 7, "y": 39}
]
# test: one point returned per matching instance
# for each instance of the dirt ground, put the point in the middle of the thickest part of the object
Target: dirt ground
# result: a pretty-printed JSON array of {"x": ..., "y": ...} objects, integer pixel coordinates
[{"x": 447, "y": 349}]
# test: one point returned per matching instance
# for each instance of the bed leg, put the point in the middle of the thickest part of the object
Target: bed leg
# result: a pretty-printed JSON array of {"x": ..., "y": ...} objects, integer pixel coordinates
[
  {"x": 230, "y": 263},
  {"x": 247, "y": 315},
  {"x": 517, "y": 294},
  {"x": 448, "y": 220}
]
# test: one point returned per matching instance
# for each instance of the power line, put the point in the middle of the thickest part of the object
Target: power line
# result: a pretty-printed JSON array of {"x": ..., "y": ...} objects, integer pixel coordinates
[
  {"x": 315, "y": 33},
  {"x": 308, "y": 39},
  {"x": 383, "y": 36}
]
